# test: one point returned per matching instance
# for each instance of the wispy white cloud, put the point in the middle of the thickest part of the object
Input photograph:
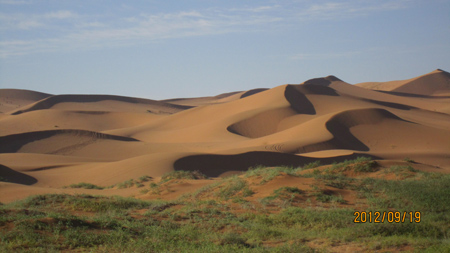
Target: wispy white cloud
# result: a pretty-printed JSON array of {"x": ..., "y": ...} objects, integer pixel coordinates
[
  {"x": 350, "y": 8},
  {"x": 28, "y": 24},
  {"x": 81, "y": 31},
  {"x": 131, "y": 30},
  {"x": 62, "y": 14},
  {"x": 22, "y": 21}
]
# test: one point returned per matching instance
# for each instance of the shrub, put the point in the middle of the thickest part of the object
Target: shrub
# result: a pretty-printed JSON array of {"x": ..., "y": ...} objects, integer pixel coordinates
[
  {"x": 85, "y": 186},
  {"x": 286, "y": 190},
  {"x": 181, "y": 174},
  {"x": 284, "y": 194},
  {"x": 325, "y": 196},
  {"x": 409, "y": 160},
  {"x": 335, "y": 180},
  {"x": 233, "y": 186},
  {"x": 126, "y": 184},
  {"x": 312, "y": 165},
  {"x": 360, "y": 164},
  {"x": 234, "y": 238},
  {"x": 144, "y": 178}
]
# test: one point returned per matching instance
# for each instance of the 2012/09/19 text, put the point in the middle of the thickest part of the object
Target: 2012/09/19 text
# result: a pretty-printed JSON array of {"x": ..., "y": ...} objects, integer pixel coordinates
[{"x": 390, "y": 216}]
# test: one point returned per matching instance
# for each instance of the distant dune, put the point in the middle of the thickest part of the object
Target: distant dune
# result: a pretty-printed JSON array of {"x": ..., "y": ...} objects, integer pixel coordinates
[
  {"x": 50, "y": 141},
  {"x": 436, "y": 83},
  {"x": 11, "y": 99},
  {"x": 101, "y": 103}
]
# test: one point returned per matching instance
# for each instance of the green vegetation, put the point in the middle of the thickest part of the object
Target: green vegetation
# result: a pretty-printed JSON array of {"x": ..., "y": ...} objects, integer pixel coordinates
[
  {"x": 325, "y": 196},
  {"x": 82, "y": 202},
  {"x": 232, "y": 187},
  {"x": 132, "y": 182},
  {"x": 283, "y": 197},
  {"x": 337, "y": 180},
  {"x": 404, "y": 171},
  {"x": 224, "y": 217},
  {"x": 180, "y": 174},
  {"x": 285, "y": 192},
  {"x": 409, "y": 160},
  {"x": 168, "y": 179},
  {"x": 125, "y": 184},
  {"x": 360, "y": 164},
  {"x": 430, "y": 196},
  {"x": 45, "y": 223},
  {"x": 85, "y": 186},
  {"x": 144, "y": 178},
  {"x": 267, "y": 174},
  {"x": 312, "y": 165}
]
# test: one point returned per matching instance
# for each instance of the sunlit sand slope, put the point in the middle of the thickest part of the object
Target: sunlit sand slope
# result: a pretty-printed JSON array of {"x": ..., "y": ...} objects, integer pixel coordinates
[{"x": 50, "y": 141}]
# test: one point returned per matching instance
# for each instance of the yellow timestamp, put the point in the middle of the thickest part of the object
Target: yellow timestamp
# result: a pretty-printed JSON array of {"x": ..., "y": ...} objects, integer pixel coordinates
[{"x": 390, "y": 217}]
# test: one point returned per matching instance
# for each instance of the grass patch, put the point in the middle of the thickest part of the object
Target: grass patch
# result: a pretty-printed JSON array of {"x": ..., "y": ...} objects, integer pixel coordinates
[
  {"x": 283, "y": 197},
  {"x": 430, "y": 196},
  {"x": 401, "y": 170},
  {"x": 130, "y": 183},
  {"x": 409, "y": 160},
  {"x": 125, "y": 184},
  {"x": 360, "y": 164},
  {"x": 326, "y": 196},
  {"x": 158, "y": 188},
  {"x": 431, "y": 193},
  {"x": 311, "y": 165},
  {"x": 180, "y": 174},
  {"x": 285, "y": 192},
  {"x": 205, "y": 221},
  {"x": 234, "y": 239},
  {"x": 232, "y": 187},
  {"x": 85, "y": 186},
  {"x": 339, "y": 181},
  {"x": 268, "y": 173},
  {"x": 144, "y": 178},
  {"x": 83, "y": 202},
  {"x": 52, "y": 223}
]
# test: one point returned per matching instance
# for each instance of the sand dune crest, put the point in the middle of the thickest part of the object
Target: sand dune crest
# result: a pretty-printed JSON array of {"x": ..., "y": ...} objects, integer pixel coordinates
[{"x": 48, "y": 142}]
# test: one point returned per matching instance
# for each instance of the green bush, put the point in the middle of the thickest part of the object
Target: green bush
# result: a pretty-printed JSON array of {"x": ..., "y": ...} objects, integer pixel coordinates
[
  {"x": 233, "y": 186},
  {"x": 85, "y": 186},
  {"x": 181, "y": 174},
  {"x": 360, "y": 164}
]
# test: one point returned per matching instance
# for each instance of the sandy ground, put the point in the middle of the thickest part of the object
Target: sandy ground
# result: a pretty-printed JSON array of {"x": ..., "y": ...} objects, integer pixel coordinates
[{"x": 51, "y": 141}]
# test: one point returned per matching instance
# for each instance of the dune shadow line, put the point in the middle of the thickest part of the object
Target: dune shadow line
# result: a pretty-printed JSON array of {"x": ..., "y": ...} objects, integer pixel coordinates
[
  {"x": 9, "y": 175},
  {"x": 215, "y": 165},
  {"x": 299, "y": 102},
  {"x": 12, "y": 143}
]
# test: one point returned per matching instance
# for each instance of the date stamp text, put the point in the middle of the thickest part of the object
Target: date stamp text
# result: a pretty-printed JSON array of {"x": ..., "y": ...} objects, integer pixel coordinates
[{"x": 390, "y": 217}]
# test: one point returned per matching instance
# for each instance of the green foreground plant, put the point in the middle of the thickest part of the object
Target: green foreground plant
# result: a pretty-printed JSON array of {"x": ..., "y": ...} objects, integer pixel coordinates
[{"x": 197, "y": 223}]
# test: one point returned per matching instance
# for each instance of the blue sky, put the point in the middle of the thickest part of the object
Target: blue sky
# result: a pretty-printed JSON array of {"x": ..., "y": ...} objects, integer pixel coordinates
[{"x": 167, "y": 49}]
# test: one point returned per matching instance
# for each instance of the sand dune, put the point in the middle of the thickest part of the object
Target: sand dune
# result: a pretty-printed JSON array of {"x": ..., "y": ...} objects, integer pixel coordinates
[
  {"x": 222, "y": 98},
  {"x": 52, "y": 119},
  {"x": 102, "y": 103},
  {"x": 11, "y": 99},
  {"x": 50, "y": 141},
  {"x": 53, "y": 141},
  {"x": 436, "y": 83}
]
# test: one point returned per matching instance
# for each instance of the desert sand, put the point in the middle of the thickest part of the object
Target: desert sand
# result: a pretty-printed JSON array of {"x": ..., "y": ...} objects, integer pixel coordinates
[{"x": 51, "y": 141}]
